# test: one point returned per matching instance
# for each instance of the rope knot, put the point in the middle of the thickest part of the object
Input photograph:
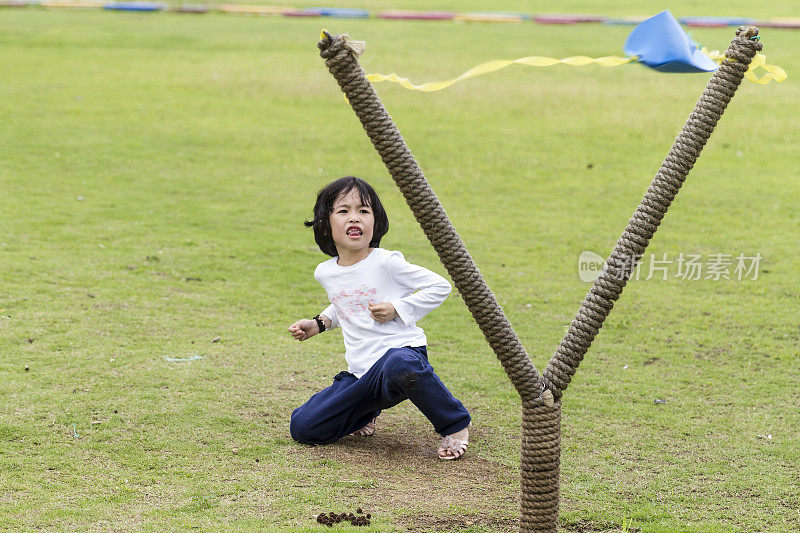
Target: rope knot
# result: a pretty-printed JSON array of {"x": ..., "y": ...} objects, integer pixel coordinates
[
  {"x": 751, "y": 34},
  {"x": 325, "y": 40},
  {"x": 330, "y": 45},
  {"x": 748, "y": 32}
]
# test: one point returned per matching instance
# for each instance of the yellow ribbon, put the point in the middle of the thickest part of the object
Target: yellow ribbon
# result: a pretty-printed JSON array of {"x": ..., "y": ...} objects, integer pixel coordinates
[
  {"x": 773, "y": 72},
  {"x": 493, "y": 66}
]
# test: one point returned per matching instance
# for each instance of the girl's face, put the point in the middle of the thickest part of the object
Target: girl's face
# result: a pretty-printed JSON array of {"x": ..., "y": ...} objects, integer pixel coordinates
[{"x": 351, "y": 222}]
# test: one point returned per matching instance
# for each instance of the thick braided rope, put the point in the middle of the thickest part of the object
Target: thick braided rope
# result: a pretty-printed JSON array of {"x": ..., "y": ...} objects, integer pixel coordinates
[
  {"x": 645, "y": 221},
  {"x": 541, "y": 419},
  {"x": 431, "y": 216},
  {"x": 540, "y": 466}
]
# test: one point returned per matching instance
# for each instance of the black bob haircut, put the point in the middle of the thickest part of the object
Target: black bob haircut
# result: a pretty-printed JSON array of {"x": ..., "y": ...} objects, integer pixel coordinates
[{"x": 324, "y": 207}]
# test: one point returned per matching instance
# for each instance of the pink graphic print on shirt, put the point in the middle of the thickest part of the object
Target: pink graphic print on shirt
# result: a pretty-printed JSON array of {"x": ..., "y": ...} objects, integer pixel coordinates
[{"x": 353, "y": 304}]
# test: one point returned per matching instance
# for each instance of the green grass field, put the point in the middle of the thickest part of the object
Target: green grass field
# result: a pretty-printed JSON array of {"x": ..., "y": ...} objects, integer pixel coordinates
[{"x": 154, "y": 177}]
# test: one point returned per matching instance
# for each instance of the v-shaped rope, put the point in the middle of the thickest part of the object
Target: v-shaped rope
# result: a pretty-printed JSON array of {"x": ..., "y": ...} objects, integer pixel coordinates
[{"x": 541, "y": 405}]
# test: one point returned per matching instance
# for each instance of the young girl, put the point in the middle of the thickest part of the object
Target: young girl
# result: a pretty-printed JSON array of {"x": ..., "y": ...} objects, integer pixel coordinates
[{"x": 376, "y": 297}]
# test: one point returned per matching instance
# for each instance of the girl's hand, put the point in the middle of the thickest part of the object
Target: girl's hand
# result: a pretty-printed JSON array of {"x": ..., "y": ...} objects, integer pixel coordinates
[
  {"x": 382, "y": 312},
  {"x": 304, "y": 329}
]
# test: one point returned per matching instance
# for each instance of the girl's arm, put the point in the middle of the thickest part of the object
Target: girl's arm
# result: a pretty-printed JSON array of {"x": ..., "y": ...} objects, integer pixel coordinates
[
  {"x": 306, "y": 328},
  {"x": 332, "y": 318},
  {"x": 431, "y": 289}
]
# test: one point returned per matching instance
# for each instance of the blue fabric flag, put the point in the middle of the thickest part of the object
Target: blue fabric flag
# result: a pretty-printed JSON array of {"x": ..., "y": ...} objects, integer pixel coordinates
[{"x": 660, "y": 43}]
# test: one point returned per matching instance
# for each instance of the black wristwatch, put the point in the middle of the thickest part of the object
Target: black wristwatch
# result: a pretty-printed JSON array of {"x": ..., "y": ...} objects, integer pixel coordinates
[{"x": 320, "y": 323}]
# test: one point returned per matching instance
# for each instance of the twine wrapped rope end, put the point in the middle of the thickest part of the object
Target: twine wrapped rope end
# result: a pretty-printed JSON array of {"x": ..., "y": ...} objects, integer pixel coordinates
[
  {"x": 356, "y": 47},
  {"x": 748, "y": 32}
]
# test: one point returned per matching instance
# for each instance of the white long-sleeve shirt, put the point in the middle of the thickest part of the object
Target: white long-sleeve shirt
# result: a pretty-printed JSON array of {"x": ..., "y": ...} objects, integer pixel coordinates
[{"x": 383, "y": 276}]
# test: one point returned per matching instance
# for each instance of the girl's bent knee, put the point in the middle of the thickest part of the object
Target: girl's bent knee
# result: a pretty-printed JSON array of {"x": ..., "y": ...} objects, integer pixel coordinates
[
  {"x": 404, "y": 370},
  {"x": 306, "y": 431},
  {"x": 300, "y": 429}
]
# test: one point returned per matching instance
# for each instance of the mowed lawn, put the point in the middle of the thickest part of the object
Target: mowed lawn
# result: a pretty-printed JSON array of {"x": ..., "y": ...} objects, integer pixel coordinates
[{"x": 154, "y": 177}]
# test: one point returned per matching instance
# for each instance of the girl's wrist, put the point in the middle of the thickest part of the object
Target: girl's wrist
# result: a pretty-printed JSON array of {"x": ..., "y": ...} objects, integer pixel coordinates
[{"x": 327, "y": 321}]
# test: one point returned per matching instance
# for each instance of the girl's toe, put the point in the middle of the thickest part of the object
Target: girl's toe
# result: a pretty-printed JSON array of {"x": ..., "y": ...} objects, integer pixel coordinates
[{"x": 451, "y": 448}]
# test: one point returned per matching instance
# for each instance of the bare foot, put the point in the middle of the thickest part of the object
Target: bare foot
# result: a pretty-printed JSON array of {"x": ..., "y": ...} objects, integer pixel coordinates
[
  {"x": 454, "y": 446},
  {"x": 366, "y": 431}
]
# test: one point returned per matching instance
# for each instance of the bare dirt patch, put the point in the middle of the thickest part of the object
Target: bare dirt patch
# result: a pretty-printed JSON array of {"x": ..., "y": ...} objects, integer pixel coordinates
[
  {"x": 412, "y": 483},
  {"x": 585, "y": 526},
  {"x": 451, "y": 523}
]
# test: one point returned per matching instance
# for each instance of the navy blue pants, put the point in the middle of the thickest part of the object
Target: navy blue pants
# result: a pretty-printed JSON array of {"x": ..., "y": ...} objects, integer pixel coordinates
[{"x": 350, "y": 402}]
